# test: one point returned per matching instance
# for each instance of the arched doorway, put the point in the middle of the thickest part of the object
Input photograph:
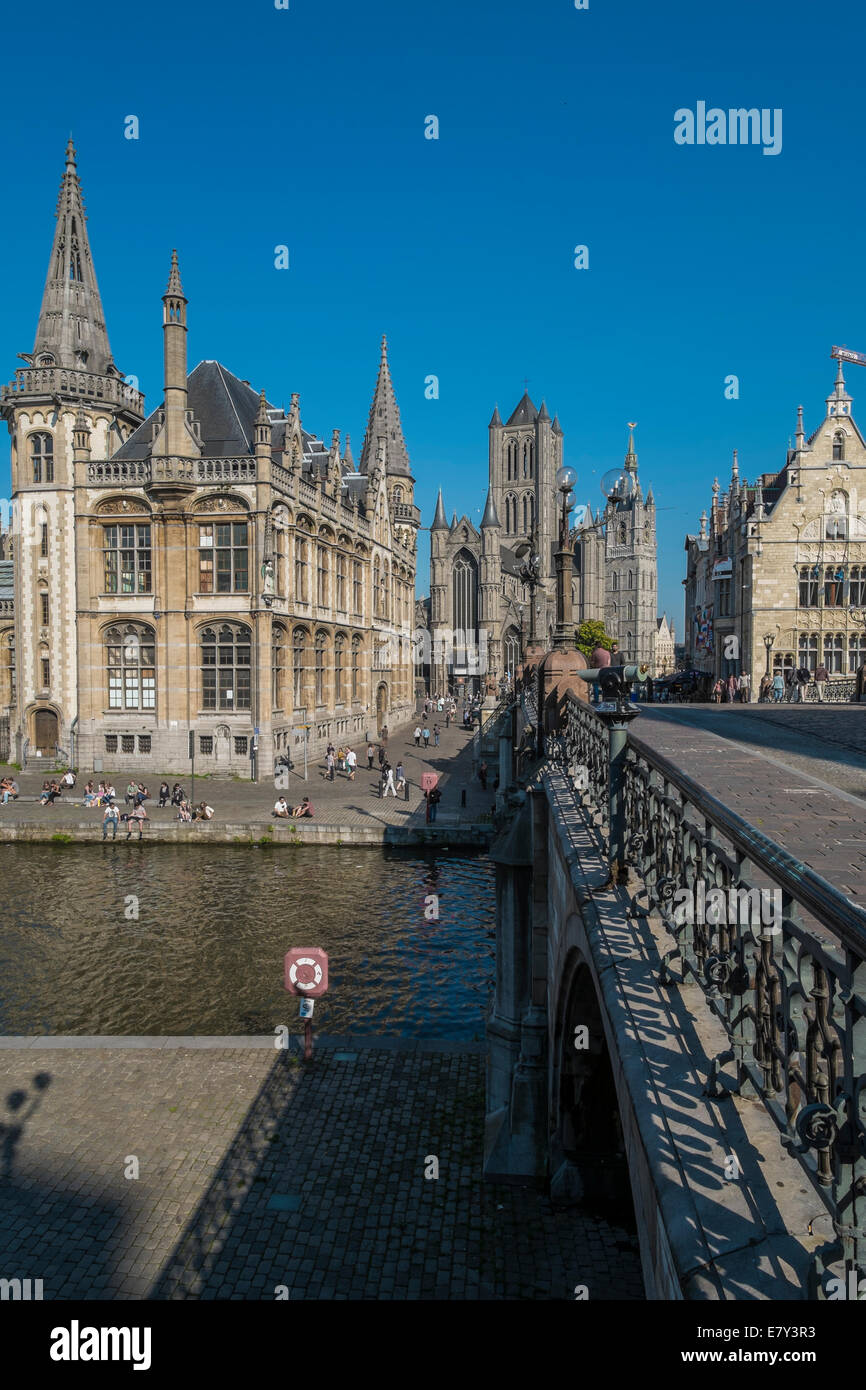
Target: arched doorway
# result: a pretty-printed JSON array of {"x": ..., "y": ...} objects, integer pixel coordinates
[
  {"x": 588, "y": 1143},
  {"x": 381, "y": 705},
  {"x": 46, "y": 732}
]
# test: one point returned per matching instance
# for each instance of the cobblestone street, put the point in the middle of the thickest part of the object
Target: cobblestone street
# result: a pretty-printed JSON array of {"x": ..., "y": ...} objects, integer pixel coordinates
[{"x": 260, "y": 1177}]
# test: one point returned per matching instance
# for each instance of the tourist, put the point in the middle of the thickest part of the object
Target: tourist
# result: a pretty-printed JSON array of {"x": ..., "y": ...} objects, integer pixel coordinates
[
  {"x": 50, "y": 793},
  {"x": 110, "y": 794},
  {"x": 764, "y": 689},
  {"x": 731, "y": 689},
  {"x": 388, "y": 780},
  {"x": 68, "y": 778},
  {"x": 426, "y": 737},
  {"x": 130, "y": 794},
  {"x": 435, "y": 735},
  {"x": 384, "y": 734},
  {"x": 203, "y": 811},
  {"x": 401, "y": 777},
  {"x": 482, "y": 773},
  {"x": 91, "y": 797},
  {"x": 381, "y": 756},
  {"x": 448, "y": 718},
  {"x": 305, "y": 809},
  {"x": 141, "y": 795},
  {"x": 110, "y": 817},
  {"x": 434, "y": 796},
  {"x": 184, "y": 811},
  {"x": 417, "y": 735},
  {"x": 371, "y": 753},
  {"x": 822, "y": 675},
  {"x": 164, "y": 794},
  {"x": 778, "y": 687},
  {"x": 351, "y": 763},
  {"x": 743, "y": 688},
  {"x": 9, "y": 788},
  {"x": 178, "y": 795},
  {"x": 803, "y": 678},
  {"x": 138, "y": 817},
  {"x": 616, "y": 656},
  {"x": 281, "y": 807},
  {"x": 329, "y": 764}
]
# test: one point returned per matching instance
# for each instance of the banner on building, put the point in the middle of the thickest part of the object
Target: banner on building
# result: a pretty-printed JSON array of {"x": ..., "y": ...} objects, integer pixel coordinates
[{"x": 704, "y": 628}]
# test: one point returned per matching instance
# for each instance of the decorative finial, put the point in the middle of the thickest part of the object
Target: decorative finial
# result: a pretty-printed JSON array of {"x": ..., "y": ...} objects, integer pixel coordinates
[
  {"x": 174, "y": 285},
  {"x": 70, "y": 152}
]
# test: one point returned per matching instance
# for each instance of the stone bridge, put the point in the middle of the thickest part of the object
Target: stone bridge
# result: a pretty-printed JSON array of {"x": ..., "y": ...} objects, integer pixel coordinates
[{"x": 686, "y": 1030}]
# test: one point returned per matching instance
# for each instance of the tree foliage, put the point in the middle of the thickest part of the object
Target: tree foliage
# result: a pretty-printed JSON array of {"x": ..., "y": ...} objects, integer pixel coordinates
[{"x": 592, "y": 634}]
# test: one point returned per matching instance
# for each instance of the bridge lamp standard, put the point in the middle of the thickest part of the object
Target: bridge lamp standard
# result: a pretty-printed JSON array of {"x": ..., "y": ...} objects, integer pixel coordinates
[
  {"x": 769, "y": 639},
  {"x": 564, "y": 636}
]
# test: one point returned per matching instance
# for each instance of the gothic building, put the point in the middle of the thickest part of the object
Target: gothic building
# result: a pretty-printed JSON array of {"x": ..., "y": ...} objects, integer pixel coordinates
[
  {"x": 475, "y": 582},
  {"x": 214, "y": 568}
]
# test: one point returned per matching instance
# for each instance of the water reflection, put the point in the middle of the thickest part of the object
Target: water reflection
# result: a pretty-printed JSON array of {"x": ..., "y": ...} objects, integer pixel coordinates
[{"x": 168, "y": 939}]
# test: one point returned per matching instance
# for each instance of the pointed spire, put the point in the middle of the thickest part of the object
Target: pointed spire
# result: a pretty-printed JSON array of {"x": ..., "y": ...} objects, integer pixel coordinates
[
  {"x": 440, "y": 522},
  {"x": 495, "y": 419},
  {"x": 735, "y": 475},
  {"x": 631, "y": 456},
  {"x": 801, "y": 433},
  {"x": 542, "y": 414},
  {"x": 71, "y": 327},
  {"x": 348, "y": 460},
  {"x": 524, "y": 412},
  {"x": 384, "y": 424},
  {"x": 175, "y": 288},
  {"x": 556, "y": 426},
  {"x": 454, "y": 522},
  {"x": 490, "y": 519},
  {"x": 839, "y": 402}
]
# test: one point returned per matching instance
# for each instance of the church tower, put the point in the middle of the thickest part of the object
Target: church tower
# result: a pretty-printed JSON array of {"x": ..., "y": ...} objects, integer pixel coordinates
[
  {"x": 69, "y": 401},
  {"x": 631, "y": 566}
]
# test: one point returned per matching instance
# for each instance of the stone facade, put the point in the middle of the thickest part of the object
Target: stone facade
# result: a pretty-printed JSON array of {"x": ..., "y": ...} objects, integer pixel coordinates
[
  {"x": 785, "y": 557},
  {"x": 664, "y": 661},
  {"x": 475, "y": 582},
  {"x": 213, "y": 568}
]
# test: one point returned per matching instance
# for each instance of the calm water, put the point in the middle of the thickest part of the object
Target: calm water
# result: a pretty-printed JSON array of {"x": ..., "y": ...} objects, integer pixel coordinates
[{"x": 206, "y": 954}]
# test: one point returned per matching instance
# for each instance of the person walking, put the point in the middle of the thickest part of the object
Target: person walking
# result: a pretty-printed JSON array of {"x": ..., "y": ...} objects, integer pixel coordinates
[
  {"x": 744, "y": 690},
  {"x": 110, "y": 817},
  {"x": 426, "y": 737},
  {"x": 381, "y": 755},
  {"x": 350, "y": 763},
  {"x": 434, "y": 796},
  {"x": 417, "y": 735},
  {"x": 329, "y": 764},
  {"x": 822, "y": 675},
  {"x": 435, "y": 735},
  {"x": 448, "y": 718},
  {"x": 482, "y": 774},
  {"x": 388, "y": 780},
  {"x": 803, "y": 678},
  {"x": 401, "y": 777},
  {"x": 371, "y": 753},
  {"x": 778, "y": 688}
]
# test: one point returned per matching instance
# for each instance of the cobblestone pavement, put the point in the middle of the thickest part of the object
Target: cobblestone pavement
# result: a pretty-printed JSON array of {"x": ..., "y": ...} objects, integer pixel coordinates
[
  {"x": 796, "y": 772},
  {"x": 340, "y": 802},
  {"x": 258, "y": 1173}
]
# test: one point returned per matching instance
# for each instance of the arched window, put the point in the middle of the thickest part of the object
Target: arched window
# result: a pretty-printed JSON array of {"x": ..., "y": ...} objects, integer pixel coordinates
[
  {"x": 807, "y": 652},
  {"x": 630, "y": 583},
  {"x": 299, "y": 644},
  {"x": 808, "y": 587},
  {"x": 321, "y": 576},
  {"x": 629, "y": 611},
  {"x": 302, "y": 560},
  {"x": 398, "y": 496},
  {"x": 512, "y": 652},
  {"x": 511, "y": 460},
  {"x": 356, "y": 667},
  {"x": 278, "y": 666},
  {"x": 834, "y": 586},
  {"x": 857, "y": 587},
  {"x": 386, "y": 591},
  {"x": 629, "y": 643},
  {"x": 377, "y": 588},
  {"x": 226, "y": 667},
  {"x": 614, "y": 582},
  {"x": 42, "y": 457},
  {"x": 130, "y": 653},
  {"x": 834, "y": 645},
  {"x": 465, "y": 587},
  {"x": 839, "y": 445},
  {"x": 321, "y": 649},
  {"x": 339, "y": 663}
]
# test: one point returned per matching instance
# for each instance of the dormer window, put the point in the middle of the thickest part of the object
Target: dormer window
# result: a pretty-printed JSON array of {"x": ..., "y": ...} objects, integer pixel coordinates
[
  {"x": 839, "y": 445},
  {"x": 46, "y": 360}
]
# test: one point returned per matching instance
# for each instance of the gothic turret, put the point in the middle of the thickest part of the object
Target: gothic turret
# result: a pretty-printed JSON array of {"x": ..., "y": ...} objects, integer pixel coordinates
[
  {"x": 384, "y": 424},
  {"x": 440, "y": 521},
  {"x": 175, "y": 436}
]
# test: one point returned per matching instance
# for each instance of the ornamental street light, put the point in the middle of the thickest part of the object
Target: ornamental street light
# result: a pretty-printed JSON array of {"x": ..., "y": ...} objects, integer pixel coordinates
[
  {"x": 564, "y": 635},
  {"x": 530, "y": 574},
  {"x": 769, "y": 639}
]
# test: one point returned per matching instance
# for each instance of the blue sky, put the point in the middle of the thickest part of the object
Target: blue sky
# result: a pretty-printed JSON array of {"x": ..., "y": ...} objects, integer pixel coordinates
[{"x": 305, "y": 127}]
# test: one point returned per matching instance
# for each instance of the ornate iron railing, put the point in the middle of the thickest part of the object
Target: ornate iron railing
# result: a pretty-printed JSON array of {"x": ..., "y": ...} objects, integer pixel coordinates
[
  {"x": 583, "y": 749},
  {"x": 779, "y": 953}
]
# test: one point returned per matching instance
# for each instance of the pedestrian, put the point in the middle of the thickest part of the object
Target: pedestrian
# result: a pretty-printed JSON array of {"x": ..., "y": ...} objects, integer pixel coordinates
[
  {"x": 371, "y": 753},
  {"x": 435, "y": 735},
  {"x": 426, "y": 737},
  {"x": 401, "y": 777},
  {"x": 164, "y": 794},
  {"x": 351, "y": 761},
  {"x": 778, "y": 687},
  {"x": 482, "y": 773},
  {"x": 388, "y": 780},
  {"x": 434, "y": 796},
  {"x": 138, "y": 817},
  {"x": 110, "y": 817},
  {"x": 803, "y": 678},
  {"x": 417, "y": 735},
  {"x": 822, "y": 675},
  {"x": 130, "y": 794},
  {"x": 650, "y": 690},
  {"x": 743, "y": 686},
  {"x": 448, "y": 718},
  {"x": 384, "y": 734},
  {"x": 731, "y": 685},
  {"x": 329, "y": 764},
  {"x": 381, "y": 755}
]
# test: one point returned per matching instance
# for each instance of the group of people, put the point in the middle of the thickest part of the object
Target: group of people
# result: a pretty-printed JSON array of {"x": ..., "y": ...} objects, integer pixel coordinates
[
  {"x": 53, "y": 788},
  {"x": 8, "y": 790},
  {"x": 341, "y": 759},
  {"x": 733, "y": 689},
  {"x": 281, "y": 809},
  {"x": 424, "y": 734},
  {"x": 789, "y": 687}
]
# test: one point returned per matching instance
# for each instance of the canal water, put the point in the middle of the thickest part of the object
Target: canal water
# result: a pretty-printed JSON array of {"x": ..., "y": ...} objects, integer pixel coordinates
[{"x": 204, "y": 954}]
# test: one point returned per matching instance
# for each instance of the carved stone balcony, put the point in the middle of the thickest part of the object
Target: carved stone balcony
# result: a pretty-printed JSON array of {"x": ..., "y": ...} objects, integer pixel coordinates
[{"x": 84, "y": 386}]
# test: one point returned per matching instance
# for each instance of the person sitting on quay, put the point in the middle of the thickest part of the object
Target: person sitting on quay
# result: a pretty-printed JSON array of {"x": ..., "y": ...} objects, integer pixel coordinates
[
  {"x": 184, "y": 811},
  {"x": 90, "y": 796},
  {"x": 50, "y": 793},
  {"x": 68, "y": 779},
  {"x": 9, "y": 789},
  {"x": 141, "y": 794},
  {"x": 281, "y": 807},
  {"x": 305, "y": 809},
  {"x": 137, "y": 817},
  {"x": 109, "y": 794},
  {"x": 203, "y": 811},
  {"x": 164, "y": 794},
  {"x": 130, "y": 793},
  {"x": 178, "y": 795},
  {"x": 110, "y": 818}
]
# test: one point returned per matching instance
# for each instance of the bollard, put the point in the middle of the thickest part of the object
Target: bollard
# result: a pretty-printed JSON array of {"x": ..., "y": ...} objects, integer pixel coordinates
[
  {"x": 406, "y": 791},
  {"x": 463, "y": 796}
]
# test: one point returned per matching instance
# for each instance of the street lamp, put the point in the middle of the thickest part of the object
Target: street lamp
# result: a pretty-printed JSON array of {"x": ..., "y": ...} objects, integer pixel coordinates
[
  {"x": 564, "y": 636},
  {"x": 769, "y": 639},
  {"x": 530, "y": 574}
]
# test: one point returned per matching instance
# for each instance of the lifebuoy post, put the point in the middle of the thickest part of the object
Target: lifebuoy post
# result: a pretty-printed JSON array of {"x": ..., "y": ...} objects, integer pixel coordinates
[{"x": 306, "y": 975}]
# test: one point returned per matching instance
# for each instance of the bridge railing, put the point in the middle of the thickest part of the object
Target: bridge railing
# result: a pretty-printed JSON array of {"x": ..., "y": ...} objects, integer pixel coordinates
[{"x": 779, "y": 953}]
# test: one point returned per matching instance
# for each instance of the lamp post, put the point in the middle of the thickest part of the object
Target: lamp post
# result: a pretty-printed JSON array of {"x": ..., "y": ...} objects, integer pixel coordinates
[
  {"x": 769, "y": 639},
  {"x": 564, "y": 635},
  {"x": 530, "y": 574}
]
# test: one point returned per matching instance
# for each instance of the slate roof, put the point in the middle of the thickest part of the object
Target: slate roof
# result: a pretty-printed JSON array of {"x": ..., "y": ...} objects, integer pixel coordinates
[{"x": 525, "y": 412}]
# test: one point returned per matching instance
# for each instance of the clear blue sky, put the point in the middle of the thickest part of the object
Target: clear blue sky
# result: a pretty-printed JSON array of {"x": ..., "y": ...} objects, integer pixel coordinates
[{"x": 305, "y": 126}]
